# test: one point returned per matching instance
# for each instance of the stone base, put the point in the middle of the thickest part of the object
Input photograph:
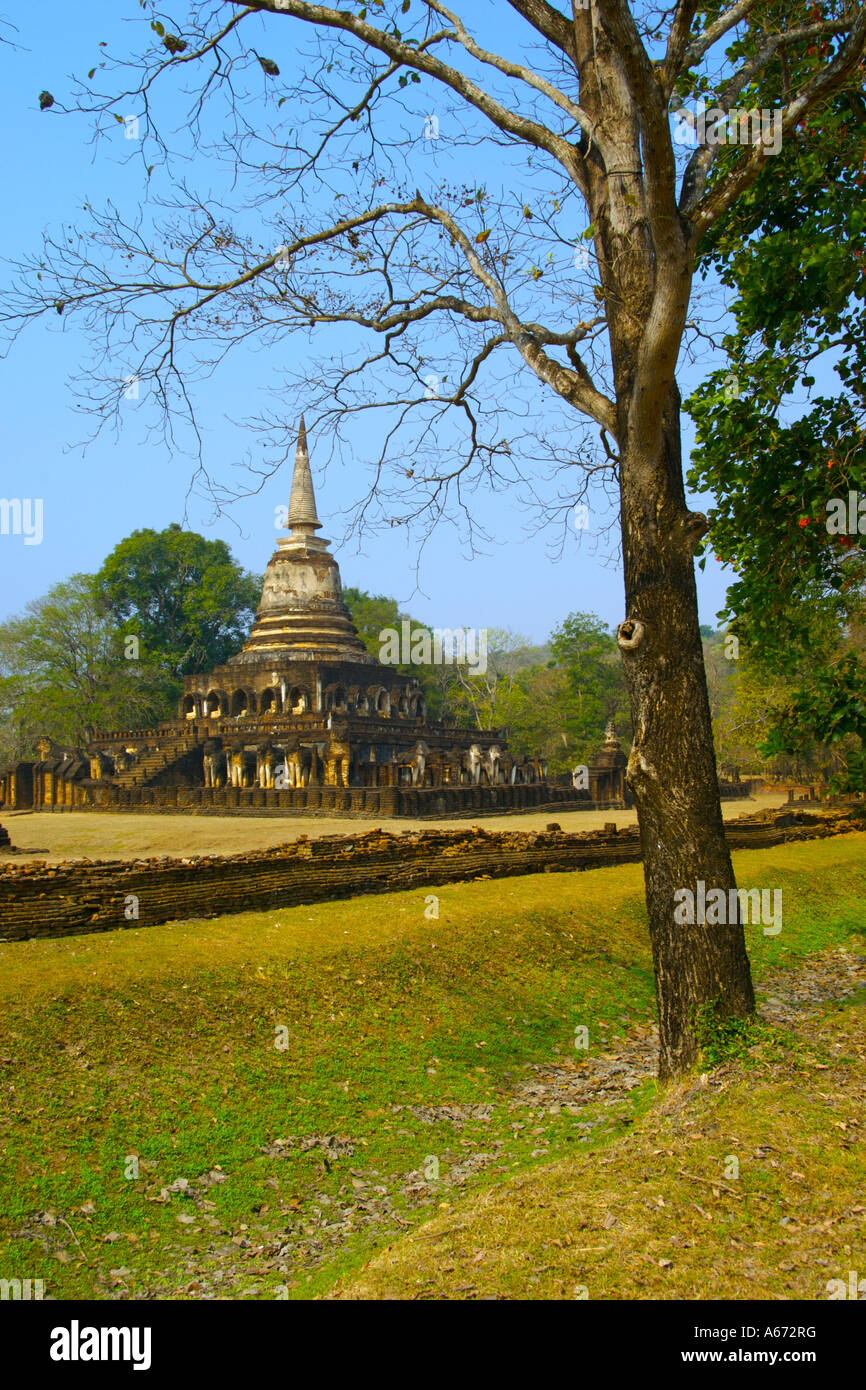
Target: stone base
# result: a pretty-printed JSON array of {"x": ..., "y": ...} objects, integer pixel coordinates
[{"x": 417, "y": 803}]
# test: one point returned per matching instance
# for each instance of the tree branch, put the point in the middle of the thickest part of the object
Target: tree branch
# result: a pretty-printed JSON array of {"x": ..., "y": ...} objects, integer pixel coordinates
[
  {"x": 705, "y": 211},
  {"x": 506, "y": 120}
]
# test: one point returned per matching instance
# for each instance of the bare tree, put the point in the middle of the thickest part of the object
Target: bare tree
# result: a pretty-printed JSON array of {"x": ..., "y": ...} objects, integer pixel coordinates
[{"x": 415, "y": 269}]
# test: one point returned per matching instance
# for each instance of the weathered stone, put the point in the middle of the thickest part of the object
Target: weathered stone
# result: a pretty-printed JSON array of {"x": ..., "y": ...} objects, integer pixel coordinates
[{"x": 37, "y": 900}]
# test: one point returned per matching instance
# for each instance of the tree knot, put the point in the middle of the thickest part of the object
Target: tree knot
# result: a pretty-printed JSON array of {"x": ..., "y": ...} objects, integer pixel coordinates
[
  {"x": 630, "y": 634},
  {"x": 695, "y": 526}
]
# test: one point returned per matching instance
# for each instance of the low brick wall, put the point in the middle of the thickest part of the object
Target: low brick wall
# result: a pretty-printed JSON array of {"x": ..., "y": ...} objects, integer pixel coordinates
[{"x": 41, "y": 901}]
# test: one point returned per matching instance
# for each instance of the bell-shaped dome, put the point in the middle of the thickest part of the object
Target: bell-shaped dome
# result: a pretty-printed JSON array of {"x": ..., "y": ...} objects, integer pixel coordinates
[{"x": 302, "y": 614}]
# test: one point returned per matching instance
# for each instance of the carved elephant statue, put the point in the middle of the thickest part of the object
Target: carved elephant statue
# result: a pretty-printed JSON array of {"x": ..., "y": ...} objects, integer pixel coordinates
[
  {"x": 418, "y": 762},
  {"x": 473, "y": 762},
  {"x": 100, "y": 765},
  {"x": 286, "y": 766},
  {"x": 265, "y": 760},
  {"x": 522, "y": 771},
  {"x": 300, "y": 766},
  {"x": 235, "y": 765},
  {"x": 493, "y": 766},
  {"x": 212, "y": 763},
  {"x": 308, "y": 760},
  {"x": 453, "y": 761}
]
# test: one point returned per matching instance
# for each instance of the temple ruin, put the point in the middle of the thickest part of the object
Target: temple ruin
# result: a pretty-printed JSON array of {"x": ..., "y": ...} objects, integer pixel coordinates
[{"x": 302, "y": 719}]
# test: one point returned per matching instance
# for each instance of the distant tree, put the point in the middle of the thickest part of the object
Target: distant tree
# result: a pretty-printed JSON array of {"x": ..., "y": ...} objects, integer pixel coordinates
[
  {"x": 186, "y": 600},
  {"x": 63, "y": 666},
  {"x": 535, "y": 709},
  {"x": 832, "y": 708},
  {"x": 372, "y": 614},
  {"x": 586, "y": 651},
  {"x": 473, "y": 698}
]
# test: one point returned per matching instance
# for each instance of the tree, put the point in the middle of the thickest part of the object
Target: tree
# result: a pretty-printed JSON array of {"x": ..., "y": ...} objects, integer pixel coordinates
[
  {"x": 793, "y": 252},
  {"x": 372, "y": 614},
  {"x": 831, "y": 708},
  {"x": 471, "y": 693},
  {"x": 455, "y": 274},
  {"x": 183, "y": 597},
  {"x": 63, "y": 666},
  {"x": 535, "y": 708},
  {"x": 587, "y": 653}
]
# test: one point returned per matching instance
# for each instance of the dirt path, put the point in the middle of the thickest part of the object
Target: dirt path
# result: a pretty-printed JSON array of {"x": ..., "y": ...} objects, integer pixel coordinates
[{"x": 92, "y": 835}]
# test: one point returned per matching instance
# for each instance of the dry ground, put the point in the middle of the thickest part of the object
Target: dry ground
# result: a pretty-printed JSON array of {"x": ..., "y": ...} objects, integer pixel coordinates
[{"x": 94, "y": 835}]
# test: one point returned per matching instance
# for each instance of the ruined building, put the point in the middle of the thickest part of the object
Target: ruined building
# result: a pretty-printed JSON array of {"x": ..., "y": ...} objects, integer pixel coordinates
[{"x": 302, "y": 719}]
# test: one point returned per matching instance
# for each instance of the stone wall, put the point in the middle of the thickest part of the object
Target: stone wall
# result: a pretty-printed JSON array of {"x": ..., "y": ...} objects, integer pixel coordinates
[
  {"x": 362, "y": 802},
  {"x": 37, "y": 900}
]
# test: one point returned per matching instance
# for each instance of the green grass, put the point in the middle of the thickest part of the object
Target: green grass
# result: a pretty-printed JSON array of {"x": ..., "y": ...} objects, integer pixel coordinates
[
  {"x": 159, "y": 1044},
  {"x": 747, "y": 1187}
]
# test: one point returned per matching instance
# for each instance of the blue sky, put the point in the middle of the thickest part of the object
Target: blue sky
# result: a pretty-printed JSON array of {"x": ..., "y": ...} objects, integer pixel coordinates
[{"x": 92, "y": 499}]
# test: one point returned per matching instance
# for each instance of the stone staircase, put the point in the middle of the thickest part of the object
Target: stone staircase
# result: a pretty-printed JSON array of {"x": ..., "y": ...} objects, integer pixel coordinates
[{"x": 154, "y": 761}]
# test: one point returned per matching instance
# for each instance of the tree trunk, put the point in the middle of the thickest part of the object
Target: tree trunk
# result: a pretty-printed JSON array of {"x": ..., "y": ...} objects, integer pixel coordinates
[{"x": 672, "y": 765}]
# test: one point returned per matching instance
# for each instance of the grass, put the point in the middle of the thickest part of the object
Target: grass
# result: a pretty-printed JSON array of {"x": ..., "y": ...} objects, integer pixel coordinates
[
  {"x": 725, "y": 1190},
  {"x": 184, "y": 1052}
]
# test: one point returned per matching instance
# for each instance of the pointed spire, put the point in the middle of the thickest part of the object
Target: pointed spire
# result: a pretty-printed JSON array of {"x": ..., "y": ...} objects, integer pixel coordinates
[{"x": 303, "y": 517}]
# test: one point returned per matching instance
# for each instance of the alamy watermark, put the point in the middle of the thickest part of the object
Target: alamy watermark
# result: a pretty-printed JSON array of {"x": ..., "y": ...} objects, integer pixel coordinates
[
  {"x": 26, "y": 1290},
  {"x": 708, "y": 126},
  {"x": 77, "y": 1343},
  {"x": 22, "y": 516},
  {"x": 436, "y": 646},
  {"x": 855, "y": 1288},
  {"x": 719, "y": 907},
  {"x": 847, "y": 518}
]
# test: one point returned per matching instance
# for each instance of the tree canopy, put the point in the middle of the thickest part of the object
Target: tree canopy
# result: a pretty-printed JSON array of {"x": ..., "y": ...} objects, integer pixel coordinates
[
  {"x": 184, "y": 597},
  {"x": 781, "y": 425},
  {"x": 110, "y": 649},
  {"x": 63, "y": 667}
]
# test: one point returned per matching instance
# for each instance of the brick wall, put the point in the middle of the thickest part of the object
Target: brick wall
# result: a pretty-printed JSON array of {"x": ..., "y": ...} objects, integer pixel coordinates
[{"x": 37, "y": 900}]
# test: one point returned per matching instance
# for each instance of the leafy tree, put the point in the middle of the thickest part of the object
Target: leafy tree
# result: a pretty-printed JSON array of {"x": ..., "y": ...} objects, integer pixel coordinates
[
  {"x": 474, "y": 698},
  {"x": 184, "y": 597},
  {"x": 782, "y": 467},
  {"x": 536, "y": 708},
  {"x": 834, "y": 702},
  {"x": 63, "y": 666},
  {"x": 587, "y": 653},
  {"x": 372, "y": 614},
  {"x": 426, "y": 269}
]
